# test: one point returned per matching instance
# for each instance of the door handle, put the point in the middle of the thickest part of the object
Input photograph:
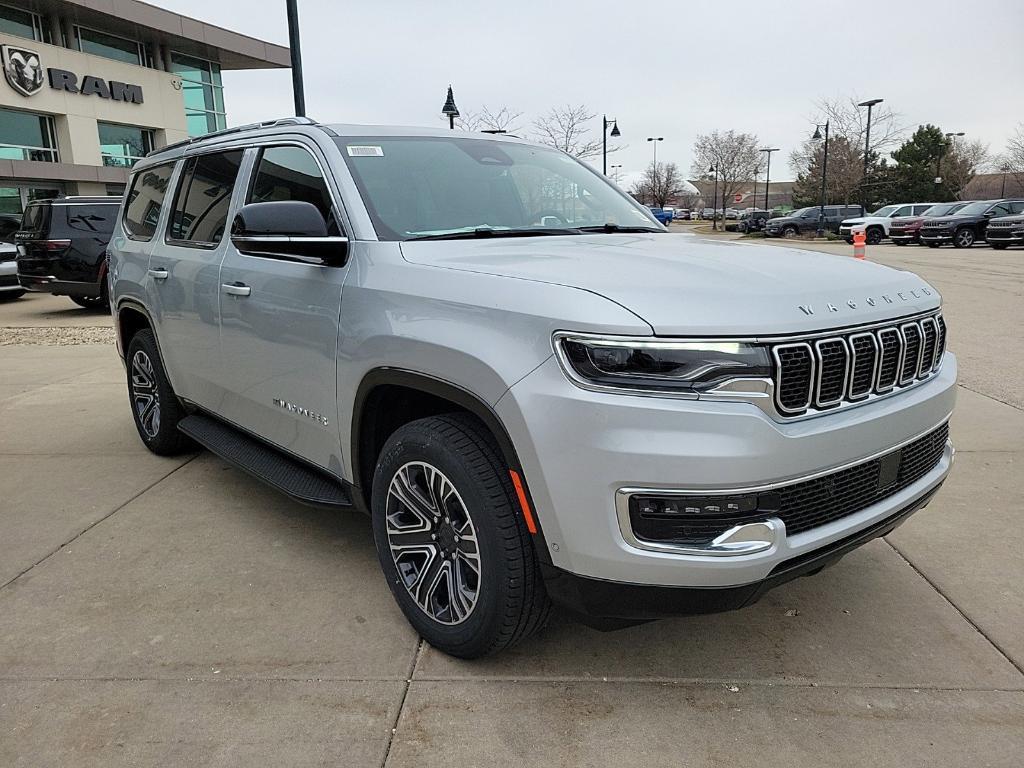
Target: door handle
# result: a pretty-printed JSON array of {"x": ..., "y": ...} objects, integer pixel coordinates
[
  {"x": 159, "y": 273},
  {"x": 236, "y": 289}
]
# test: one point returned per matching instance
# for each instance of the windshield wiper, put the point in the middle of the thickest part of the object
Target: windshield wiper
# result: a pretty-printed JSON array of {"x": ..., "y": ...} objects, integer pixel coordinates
[
  {"x": 610, "y": 228},
  {"x": 484, "y": 232}
]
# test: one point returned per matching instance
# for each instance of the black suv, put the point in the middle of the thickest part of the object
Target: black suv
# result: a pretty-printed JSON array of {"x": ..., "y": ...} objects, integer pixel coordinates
[
  {"x": 805, "y": 220},
  {"x": 1004, "y": 231},
  {"x": 968, "y": 225},
  {"x": 753, "y": 221},
  {"x": 62, "y": 246}
]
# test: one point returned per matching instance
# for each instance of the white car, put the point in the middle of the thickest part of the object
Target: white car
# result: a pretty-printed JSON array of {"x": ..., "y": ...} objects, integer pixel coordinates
[
  {"x": 10, "y": 288},
  {"x": 876, "y": 225}
]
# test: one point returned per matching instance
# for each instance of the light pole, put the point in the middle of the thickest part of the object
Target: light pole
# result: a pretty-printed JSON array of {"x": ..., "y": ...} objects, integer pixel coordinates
[
  {"x": 605, "y": 122},
  {"x": 714, "y": 199},
  {"x": 867, "y": 148},
  {"x": 298, "y": 92},
  {"x": 616, "y": 172},
  {"x": 654, "y": 176},
  {"x": 450, "y": 109},
  {"x": 1005, "y": 168},
  {"x": 824, "y": 173},
  {"x": 655, "y": 140},
  {"x": 768, "y": 173},
  {"x": 942, "y": 150}
]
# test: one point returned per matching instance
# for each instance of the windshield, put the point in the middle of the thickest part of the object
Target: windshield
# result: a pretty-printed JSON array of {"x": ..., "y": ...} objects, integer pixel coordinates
[
  {"x": 886, "y": 211},
  {"x": 416, "y": 187},
  {"x": 974, "y": 209},
  {"x": 943, "y": 209}
]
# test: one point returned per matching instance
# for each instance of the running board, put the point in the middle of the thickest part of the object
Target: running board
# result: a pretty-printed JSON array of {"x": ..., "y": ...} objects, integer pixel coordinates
[{"x": 288, "y": 475}]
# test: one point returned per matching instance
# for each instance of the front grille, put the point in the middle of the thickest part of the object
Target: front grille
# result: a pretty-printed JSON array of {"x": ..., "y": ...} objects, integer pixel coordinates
[
  {"x": 853, "y": 365},
  {"x": 805, "y": 505}
]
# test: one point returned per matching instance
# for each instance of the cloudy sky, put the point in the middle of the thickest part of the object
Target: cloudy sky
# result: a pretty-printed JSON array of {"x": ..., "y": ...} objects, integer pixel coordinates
[{"x": 663, "y": 69}]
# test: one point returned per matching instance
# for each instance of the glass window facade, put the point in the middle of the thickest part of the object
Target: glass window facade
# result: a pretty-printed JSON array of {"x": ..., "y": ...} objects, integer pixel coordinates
[
  {"x": 123, "y": 145},
  {"x": 15, "y": 21},
  {"x": 27, "y": 136},
  {"x": 203, "y": 92},
  {"x": 109, "y": 46}
]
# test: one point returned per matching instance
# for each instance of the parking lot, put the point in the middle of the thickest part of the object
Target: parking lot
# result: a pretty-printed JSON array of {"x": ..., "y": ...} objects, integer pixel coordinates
[{"x": 176, "y": 612}]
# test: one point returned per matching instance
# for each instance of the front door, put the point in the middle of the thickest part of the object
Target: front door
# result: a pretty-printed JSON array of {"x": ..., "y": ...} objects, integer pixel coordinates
[{"x": 279, "y": 323}]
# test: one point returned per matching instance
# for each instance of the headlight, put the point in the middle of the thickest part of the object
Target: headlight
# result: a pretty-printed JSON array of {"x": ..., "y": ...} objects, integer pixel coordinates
[{"x": 673, "y": 367}]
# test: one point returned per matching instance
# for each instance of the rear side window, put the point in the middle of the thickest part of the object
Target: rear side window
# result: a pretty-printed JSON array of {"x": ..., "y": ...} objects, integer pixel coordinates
[
  {"x": 919, "y": 209},
  {"x": 1017, "y": 206},
  {"x": 200, "y": 212},
  {"x": 90, "y": 219},
  {"x": 291, "y": 173},
  {"x": 35, "y": 218},
  {"x": 144, "y": 201}
]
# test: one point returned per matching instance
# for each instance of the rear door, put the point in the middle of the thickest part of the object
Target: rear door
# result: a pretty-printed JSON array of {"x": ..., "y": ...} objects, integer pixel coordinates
[
  {"x": 88, "y": 227},
  {"x": 185, "y": 271},
  {"x": 279, "y": 319}
]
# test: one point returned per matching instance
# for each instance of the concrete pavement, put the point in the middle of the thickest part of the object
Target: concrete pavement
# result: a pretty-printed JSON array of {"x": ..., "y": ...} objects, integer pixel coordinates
[{"x": 172, "y": 612}]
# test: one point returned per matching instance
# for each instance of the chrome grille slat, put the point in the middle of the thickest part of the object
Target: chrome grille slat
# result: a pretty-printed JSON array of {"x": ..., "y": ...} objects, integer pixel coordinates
[{"x": 851, "y": 366}]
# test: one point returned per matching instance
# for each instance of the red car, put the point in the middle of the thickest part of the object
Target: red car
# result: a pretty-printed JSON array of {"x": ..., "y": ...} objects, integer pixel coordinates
[{"x": 905, "y": 229}]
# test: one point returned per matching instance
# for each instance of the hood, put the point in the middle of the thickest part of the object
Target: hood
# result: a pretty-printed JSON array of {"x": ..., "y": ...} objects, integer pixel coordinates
[
  {"x": 853, "y": 221},
  {"x": 683, "y": 285},
  {"x": 952, "y": 219}
]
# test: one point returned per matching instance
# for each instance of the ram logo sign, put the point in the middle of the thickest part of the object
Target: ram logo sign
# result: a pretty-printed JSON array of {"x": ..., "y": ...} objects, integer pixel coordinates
[{"x": 24, "y": 72}]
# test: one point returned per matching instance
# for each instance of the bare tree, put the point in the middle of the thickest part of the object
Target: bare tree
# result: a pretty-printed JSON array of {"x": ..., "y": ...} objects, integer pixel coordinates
[
  {"x": 735, "y": 155},
  {"x": 659, "y": 184},
  {"x": 504, "y": 119},
  {"x": 1013, "y": 158},
  {"x": 566, "y": 128},
  {"x": 963, "y": 161}
]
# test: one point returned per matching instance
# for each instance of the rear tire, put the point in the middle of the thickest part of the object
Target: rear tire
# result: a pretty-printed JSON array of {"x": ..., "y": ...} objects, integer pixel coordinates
[
  {"x": 94, "y": 302},
  {"x": 155, "y": 407},
  {"x": 451, "y": 540},
  {"x": 11, "y": 295}
]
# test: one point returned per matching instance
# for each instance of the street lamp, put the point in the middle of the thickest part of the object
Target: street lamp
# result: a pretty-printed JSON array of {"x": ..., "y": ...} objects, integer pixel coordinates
[
  {"x": 450, "y": 109},
  {"x": 867, "y": 148},
  {"x": 824, "y": 173},
  {"x": 767, "y": 173},
  {"x": 616, "y": 172},
  {"x": 714, "y": 199},
  {"x": 1005, "y": 168},
  {"x": 655, "y": 140},
  {"x": 605, "y": 122},
  {"x": 942, "y": 151}
]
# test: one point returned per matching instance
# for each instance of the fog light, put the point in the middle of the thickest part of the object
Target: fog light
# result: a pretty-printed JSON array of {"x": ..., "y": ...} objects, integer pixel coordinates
[{"x": 706, "y": 506}]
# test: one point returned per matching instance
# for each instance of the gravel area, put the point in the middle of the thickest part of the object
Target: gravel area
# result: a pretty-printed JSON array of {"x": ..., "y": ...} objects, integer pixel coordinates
[{"x": 56, "y": 337}]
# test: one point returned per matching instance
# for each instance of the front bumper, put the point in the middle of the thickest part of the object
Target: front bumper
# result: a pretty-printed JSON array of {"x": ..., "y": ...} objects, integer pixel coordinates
[
  {"x": 936, "y": 237},
  {"x": 579, "y": 448},
  {"x": 9, "y": 276},
  {"x": 903, "y": 236},
  {"x": 1007, "y": 238}
]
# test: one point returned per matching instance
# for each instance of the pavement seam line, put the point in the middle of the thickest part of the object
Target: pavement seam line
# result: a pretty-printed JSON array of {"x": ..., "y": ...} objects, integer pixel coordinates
[
  {"x": 968, "y": 619},
  {"x": 990, "y": 397},
  {"x": 401, "y": 702},
  {"x": 92, "y": 525}
]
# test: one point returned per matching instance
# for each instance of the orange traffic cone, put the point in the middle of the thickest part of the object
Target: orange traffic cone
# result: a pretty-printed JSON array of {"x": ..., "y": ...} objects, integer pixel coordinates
[{"x": 859, "y": 239}]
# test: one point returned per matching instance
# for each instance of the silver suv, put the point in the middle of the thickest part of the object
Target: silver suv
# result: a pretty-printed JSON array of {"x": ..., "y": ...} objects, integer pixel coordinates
[{"x": 536, "y": 392}]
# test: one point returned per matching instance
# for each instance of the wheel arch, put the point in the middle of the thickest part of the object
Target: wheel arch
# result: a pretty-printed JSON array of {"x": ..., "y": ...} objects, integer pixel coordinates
[
  {"x": 130, "y": 318},
  {"x": 417, "y": 395}
]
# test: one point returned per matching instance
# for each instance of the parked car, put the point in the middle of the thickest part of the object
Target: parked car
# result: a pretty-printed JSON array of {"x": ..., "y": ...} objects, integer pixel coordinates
[
  {"x": 805, "y": 220},
  {"x": 10, "y": 288},
  {"x": 1004, "y": 231},
  {"x": 753, "y": 221},
  {"x": 967, "y": 226},
  {"x": 682, "y": 214},
  {"x": 707, "y": 214},
  {"x": 732, "y": 213},
  {"x": 875, "y": 225},
  {"x": 62, "y": 245},
  {"x": 662, "y": 215},
  {"x": 905, "y": 229},
  {"x": 466, "y": 369}
]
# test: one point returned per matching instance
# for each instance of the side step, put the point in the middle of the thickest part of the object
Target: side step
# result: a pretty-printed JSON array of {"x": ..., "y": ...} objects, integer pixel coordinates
[{"x": 288, "y": 475}]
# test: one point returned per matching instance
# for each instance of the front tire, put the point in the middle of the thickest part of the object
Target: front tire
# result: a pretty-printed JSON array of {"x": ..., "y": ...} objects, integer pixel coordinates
[
  {"x": 964, "y": 238},
  {"x": 155, "y": 407},
  {"x": 451, "y": 540},
  {"x": 789, "y": 232},
  {"x": 932, "y": 245},
  {"x": 874, "y": 235}
]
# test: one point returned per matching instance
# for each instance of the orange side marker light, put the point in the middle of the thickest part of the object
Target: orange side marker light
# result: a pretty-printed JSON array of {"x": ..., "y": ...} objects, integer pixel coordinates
[{"x": 531, "y": 526}]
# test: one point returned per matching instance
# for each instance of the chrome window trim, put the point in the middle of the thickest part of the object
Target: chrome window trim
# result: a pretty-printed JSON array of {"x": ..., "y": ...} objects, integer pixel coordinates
[
  {"x": 819, "y": 366},
  {"x": 853, "y": 365},
  {"x": 900, "y": 379},
  {"x": 778, "y": 374}
]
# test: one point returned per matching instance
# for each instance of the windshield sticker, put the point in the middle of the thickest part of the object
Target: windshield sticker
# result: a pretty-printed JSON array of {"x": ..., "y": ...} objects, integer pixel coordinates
[{"x": 362, "y": 151}]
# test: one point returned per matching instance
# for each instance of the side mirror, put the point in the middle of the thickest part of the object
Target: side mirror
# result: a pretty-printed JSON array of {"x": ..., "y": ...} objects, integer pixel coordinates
[{"x": 290, "y": 230}]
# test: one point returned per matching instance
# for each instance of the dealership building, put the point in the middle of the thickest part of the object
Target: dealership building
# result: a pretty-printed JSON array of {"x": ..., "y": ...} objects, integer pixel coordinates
[{"x": 90, "y": 86}]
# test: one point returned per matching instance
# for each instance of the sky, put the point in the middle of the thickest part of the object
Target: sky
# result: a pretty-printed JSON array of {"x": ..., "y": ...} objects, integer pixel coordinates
[{"x": 674, "y": 70}]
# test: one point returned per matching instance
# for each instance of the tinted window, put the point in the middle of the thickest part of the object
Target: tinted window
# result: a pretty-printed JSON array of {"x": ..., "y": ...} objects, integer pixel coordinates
[
  {"x": 906, "y": 210},
  {"x": 35, "y": 218},
  {"x": 1017, "y": 206},
  {"x": 200, "y": 212},
  {"x": 920, "y": 209},
  {"x": 291, "y": 173},
  {"x": 1001, "y": 210},
  {"x": 91, "y": 219},
  {"x": 145, "y": 199}
]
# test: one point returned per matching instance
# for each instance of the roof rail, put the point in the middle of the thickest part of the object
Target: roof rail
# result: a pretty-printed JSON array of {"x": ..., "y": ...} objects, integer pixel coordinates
[{"x": 235, "y": 129}]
